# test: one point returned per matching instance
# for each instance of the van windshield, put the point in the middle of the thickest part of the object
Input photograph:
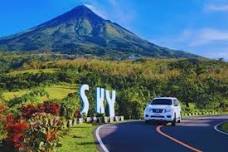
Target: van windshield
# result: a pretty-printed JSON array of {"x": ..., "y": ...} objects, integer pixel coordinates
[{"x": 161, "y": 102}]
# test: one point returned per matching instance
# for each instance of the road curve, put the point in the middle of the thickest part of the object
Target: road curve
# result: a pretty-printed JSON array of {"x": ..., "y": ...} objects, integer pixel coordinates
[{"x": 193, "y": 134}]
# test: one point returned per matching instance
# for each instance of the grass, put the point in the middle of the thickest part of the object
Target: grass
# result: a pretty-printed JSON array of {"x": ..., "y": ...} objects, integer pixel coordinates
[
  {"x": 10, "y": 95},
  {"x": 79, "y": 138},
  {"x": 55, "y": 92},
  {"x": 60, "y": 91},
  {"x": 224, "y": 127},
  {"x": 34, "y": 71}
]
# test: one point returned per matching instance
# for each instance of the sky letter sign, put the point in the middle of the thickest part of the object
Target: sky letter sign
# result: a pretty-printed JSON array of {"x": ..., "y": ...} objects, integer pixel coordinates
[{"x": 102, "y": 96}]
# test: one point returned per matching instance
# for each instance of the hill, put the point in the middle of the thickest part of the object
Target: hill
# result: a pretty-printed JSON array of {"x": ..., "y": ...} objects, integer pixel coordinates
[{"x": 81, "y": 32}]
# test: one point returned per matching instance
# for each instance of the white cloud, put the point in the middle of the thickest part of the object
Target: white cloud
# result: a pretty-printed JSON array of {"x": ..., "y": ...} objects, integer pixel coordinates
[
  {"x": 204, "y": 36},
  {"x": 97, "y": 10},
  {"x": 217, "y": 54},
  {"x": 208, "y": 42},
  {"x": 216, "y": 7},
  {"x": 113, "y": 10}
]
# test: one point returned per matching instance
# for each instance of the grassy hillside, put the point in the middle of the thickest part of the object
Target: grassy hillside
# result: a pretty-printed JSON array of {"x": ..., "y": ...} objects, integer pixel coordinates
[
  {"x": 199, "y": 84},
  {"x": 55, "y": 92}
]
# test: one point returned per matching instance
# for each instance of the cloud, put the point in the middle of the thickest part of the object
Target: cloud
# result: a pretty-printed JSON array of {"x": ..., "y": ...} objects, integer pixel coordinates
[
  {"x": 205, "y": 36},
  {"x": 97, "y": 10},
  {"x": 117, "y": 11},
  {"x": 217, "y": 54},
  {"x": 208, "y": 42},
  {"x": 113, "y": 2},
  {"x": 216, "y": 7}
]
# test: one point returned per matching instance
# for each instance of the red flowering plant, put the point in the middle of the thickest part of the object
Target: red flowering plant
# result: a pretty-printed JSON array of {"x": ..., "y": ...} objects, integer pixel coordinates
[
  {"x": 47, "y": 107},
  {"x": 16, "y": 129},
  {"x": 52, "y": 108},
  {"x": 28, "y": 110},
  {"x": 43, "y": 135},
  {"x": 3, "y": 108}
]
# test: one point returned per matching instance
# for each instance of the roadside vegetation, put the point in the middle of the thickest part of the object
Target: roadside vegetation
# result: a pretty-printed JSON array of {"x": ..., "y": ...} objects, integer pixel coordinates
[
  {"x": 79, "y": 138},
  {"x": 201, "y": 85},
  {"x": 41, "y": 88},
  {"x": 224, "y": 127}
]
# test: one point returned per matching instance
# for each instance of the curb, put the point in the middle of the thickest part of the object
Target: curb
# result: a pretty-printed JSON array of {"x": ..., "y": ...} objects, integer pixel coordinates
[
  {"x": 218, "y": 130},
  {"x": 98, "y": 138},
  {"x": 101, "y": 144}
]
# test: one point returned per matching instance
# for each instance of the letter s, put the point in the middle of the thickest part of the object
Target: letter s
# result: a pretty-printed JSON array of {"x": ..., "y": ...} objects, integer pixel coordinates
[{"x": 84, "y": 98}]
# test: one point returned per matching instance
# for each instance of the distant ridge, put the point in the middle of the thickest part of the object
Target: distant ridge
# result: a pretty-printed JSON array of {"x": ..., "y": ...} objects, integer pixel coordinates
[{"x": 82, "y": 32}]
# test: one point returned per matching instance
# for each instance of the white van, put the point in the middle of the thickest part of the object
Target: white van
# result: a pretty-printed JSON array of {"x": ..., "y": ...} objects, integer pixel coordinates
[{"x": 165, "y": 109}]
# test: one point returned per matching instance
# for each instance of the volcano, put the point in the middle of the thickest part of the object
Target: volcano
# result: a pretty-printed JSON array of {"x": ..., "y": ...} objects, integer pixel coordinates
[{"x": 82, "y": 32}]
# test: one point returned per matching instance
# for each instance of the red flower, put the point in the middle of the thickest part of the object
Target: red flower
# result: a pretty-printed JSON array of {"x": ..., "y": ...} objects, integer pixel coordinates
[
  {"x": 51, "y": 135},
  {"x": 28, "y": 111},
  {"x": 16, "y": 130}
]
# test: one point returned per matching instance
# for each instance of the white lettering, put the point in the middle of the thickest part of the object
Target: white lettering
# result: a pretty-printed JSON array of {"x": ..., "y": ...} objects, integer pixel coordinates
[
  {"x": 84, "y": 98},
  {"x": 111, "y": 102}
]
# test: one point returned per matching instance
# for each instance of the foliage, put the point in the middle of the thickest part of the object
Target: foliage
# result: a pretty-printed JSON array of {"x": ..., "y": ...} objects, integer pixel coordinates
[
  {"x": 46, "y": 107},
  {"x": 43, "y": 134},
  {"x": 202, "y": 83},
  {"x": 70, "y": 106},
  {"x": 15, "y": 131},
  {"x": 32, "y": 97},
  {"x": 2, "y": 121}
]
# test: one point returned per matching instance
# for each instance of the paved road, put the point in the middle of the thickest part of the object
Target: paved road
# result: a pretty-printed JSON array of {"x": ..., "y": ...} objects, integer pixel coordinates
[{"x": 136, "y": 136}]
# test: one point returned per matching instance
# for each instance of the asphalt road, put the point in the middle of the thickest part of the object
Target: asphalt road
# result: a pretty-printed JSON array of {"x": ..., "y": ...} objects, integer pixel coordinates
[{"x": 137, "y": 136}]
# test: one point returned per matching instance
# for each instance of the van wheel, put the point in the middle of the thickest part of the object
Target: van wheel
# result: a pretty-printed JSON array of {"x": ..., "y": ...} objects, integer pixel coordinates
[
  {"x": 174, "y": 120},
  {"x": 179, "y": 120}
]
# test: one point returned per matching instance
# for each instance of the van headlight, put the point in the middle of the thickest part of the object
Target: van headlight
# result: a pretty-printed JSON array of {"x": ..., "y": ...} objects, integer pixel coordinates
[
  {"x": 147, "y": 109},
  {"x": 168, "y": 110}
]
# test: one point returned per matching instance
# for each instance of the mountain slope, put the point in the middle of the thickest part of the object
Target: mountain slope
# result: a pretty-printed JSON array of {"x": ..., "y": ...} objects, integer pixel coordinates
[{"x": 82, "y": 32}]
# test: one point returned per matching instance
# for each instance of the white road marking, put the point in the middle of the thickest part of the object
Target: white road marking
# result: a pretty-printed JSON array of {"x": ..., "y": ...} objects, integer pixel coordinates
[
  {"x": 220, "y": 131},
  {"x": 104, "y": 148}
]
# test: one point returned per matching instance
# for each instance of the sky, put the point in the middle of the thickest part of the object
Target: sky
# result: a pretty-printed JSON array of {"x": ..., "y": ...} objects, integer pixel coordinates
[{"x": 196, "y": 26}]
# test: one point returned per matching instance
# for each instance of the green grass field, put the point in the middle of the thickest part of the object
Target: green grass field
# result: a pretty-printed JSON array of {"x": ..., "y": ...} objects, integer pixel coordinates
[
  {"x": 79, "y": 138},
  {"x": 55, "y": 92}
]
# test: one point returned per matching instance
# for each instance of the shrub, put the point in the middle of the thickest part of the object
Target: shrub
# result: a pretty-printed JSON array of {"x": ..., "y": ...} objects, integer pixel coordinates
[
  {"x": 28, "y": 110},
  {"x": 47, "y": 107},
  {"x": 70, "y": 106},
  {"x": 15, "y": 131},
  {"x": 43, "y": 134},
  {"x": 52, "y": 108},
  {"x": 2, "y": 121}
]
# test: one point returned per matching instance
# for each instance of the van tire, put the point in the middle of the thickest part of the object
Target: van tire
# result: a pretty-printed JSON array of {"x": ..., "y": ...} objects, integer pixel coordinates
[{"x": 179, "y": 120}]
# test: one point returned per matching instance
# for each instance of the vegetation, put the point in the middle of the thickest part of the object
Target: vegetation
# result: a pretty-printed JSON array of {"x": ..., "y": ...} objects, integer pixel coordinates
[
  {"x": 38, "y": 86},
  {"x": 79, "y": 138},
  {"x": 224, "y": 127},
  {"x": 199, "y": 84}
]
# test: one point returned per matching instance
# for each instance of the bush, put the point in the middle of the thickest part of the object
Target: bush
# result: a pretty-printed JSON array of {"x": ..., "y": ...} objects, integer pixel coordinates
[
  {"x": 43, "y": 134},
  {"x": 47, "y": 107},
  {"x": 70, "y": 106},
  {"x": 2, "y": 121},
  {"x": 15, "y": 131}
]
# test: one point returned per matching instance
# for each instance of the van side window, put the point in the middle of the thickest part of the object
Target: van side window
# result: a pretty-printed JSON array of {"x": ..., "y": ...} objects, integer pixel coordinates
[{"x": 176, "y": 102}]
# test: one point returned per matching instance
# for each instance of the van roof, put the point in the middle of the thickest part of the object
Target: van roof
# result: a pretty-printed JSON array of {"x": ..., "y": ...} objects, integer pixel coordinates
[{"x": 171, "y": 98}]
